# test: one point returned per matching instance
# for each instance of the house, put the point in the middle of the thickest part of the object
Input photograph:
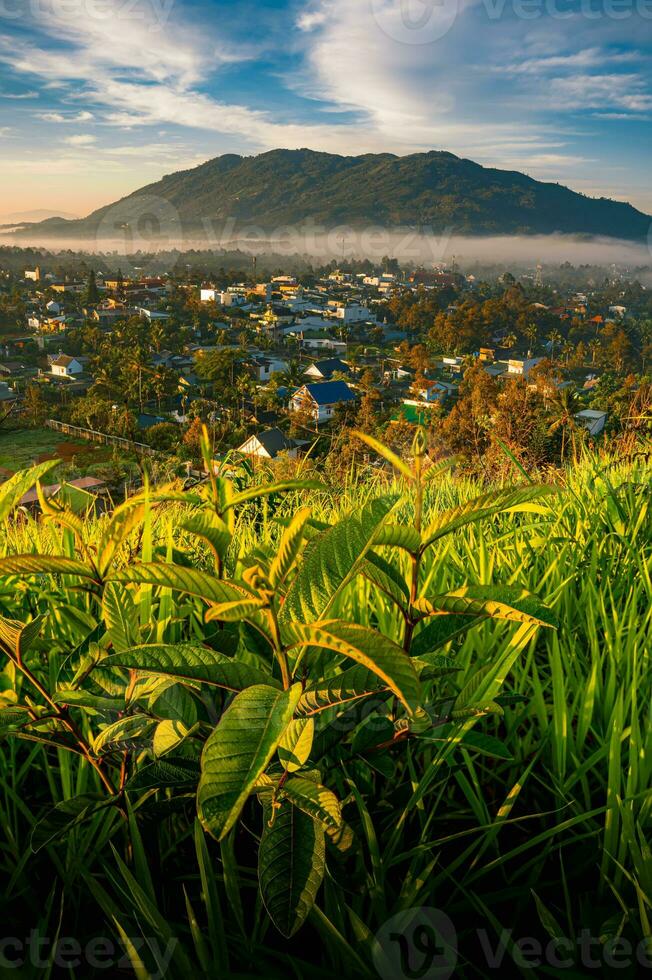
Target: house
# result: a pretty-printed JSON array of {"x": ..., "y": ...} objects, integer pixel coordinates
[
  {"x": 592, "y": 420},
  {"x": 321, "y": 399},
  {"x": 64, "y": 366},
  {"x": 522, "y": 366},
  {"x": 268, "y": 445},
  {"x": 324, "y": 370},
  {"x": 151, "y": 315},
  {"x": 351, "y": 312},
  {"x": 7, "y": 394},
  {"x": 80, "y": 495},
  {"x": 11, "y": 369},
  {"x": 264, "y": 367}
]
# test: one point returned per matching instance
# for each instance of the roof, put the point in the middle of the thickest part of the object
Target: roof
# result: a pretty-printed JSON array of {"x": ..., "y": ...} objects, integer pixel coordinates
[
  {"x": 87, "y": 483},
  {"x": 329, "y": 366},
  {"x": 329, "y": 392},
  {"x": 274, "y": 441},
  {"x": 63, "y": 360}
]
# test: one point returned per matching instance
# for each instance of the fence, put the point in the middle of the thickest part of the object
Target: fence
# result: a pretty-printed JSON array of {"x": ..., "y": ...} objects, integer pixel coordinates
[{"x": 140, "y": 448}]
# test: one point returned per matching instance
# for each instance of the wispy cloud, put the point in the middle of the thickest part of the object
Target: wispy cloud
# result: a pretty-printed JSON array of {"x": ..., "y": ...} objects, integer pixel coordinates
[{"x": 65, "y": 118}]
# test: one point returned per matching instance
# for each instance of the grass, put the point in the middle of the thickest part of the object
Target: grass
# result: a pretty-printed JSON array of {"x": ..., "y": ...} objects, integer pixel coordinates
[
  {"x": 21, "y": 448},
  {"x": 541, "y": 830}
]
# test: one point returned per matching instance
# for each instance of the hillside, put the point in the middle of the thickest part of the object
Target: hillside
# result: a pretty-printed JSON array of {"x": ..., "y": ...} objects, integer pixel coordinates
[{"x": 433, "y": 191}]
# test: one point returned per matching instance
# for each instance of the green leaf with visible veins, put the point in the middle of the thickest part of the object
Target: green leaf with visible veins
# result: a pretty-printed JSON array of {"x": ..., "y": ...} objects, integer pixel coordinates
[
  {"x": 188, "y": 662},
  {"x": 238, "y": 752},
  {"x": 291, "y": 864},
  {"x": 330, "y": 562}
]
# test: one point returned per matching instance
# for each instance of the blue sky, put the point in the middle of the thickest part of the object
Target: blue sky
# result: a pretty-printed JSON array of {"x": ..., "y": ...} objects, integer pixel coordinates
[{"x": 98, "y": 97}]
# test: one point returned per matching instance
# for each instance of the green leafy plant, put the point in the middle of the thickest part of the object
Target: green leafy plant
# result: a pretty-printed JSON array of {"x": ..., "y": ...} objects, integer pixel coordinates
[{"x": 242, "y": 686}]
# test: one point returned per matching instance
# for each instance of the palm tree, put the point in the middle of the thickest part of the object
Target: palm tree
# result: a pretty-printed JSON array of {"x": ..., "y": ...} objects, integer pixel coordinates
[
  {"x": 532, "y": 332},
  {"x": 594, "y": 347},
  {"x": 555, "y": 338},
  {"x": 564, "y": 408},
  {"x": 510, "y": 340}
]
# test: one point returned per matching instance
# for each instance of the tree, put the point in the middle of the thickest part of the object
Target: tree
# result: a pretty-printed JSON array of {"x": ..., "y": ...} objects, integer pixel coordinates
[
  {"x": 564, "y": 407},
  {"x": 92, "y": 296},
  {"x": 555, "y": 339},
  {"x": 34, "y": 405}
]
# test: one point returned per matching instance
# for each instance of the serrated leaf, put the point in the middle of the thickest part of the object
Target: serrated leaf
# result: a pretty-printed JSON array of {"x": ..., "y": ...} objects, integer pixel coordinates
[
  {"x": 439, "y": 631},
  {"x": 398, "y": 536},
  {"x": 44, "y": 565},
  {"x": 366, "y": 646},
  {"x": 234, "y": 612},
  {"x": 353, "y": 684},
  {"x": 291, "y": 864},
  {"x": 182, "y": 579},
  {"x": 164, "y": 773},
  {"x": 296, "y": 743},
  {"x": 238, "y": 752},
  {"x": 207, "y": 525},
  {"x": 126, "y": 518},
  {"x": 17, "y": 637},
  {"x": 492, "y": 602},
  {"x": 126, "y": 733},
  {"x": 315, "y": 800},
  {"x": 331, "y": 560},
  {"x": 85, "y": 699},
  {"x": 191, "y": 663},
  {"x": 266, "y": 490},
  {"x": 120, "y": 617},
  {"x": 385, "y": 577}
]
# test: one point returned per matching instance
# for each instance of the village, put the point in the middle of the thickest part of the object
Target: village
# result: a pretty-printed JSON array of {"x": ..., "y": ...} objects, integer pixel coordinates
[{"x": 279, "y": 368}]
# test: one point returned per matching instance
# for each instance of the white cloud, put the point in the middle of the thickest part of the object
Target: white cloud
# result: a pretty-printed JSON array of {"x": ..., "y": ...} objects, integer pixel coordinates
[
  {"x": 60, "y": 117},
  {"x": 85, "y": 139}
]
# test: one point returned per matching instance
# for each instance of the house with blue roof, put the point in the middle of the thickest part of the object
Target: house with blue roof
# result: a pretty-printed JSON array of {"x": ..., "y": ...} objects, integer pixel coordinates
[{"x": 321, "y": 399}]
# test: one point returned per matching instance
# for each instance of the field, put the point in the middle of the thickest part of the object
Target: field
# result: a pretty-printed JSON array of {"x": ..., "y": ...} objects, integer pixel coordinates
[
  {"x": 23, "y": 447},
  {"x": 404, "y": 729}
]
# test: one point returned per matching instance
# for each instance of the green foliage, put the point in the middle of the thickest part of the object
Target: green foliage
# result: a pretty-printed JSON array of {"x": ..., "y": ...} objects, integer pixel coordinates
[{"x": 325, "y": 689}]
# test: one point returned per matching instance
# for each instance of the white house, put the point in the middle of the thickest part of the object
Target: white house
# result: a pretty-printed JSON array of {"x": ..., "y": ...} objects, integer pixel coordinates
[
  {"x": 324, "y": 370},
  {"x": 592, "y": 420},
  {"x": 522, "y": 366},
  {"x": 264, "y": 367},
  {"x": 268, "y": 445},
  {"x": 64, "y": 366},
  {"x": 352, "y": 313},
  {"x": 321, "y": 399},
  {"x": 208, "y": 295}
]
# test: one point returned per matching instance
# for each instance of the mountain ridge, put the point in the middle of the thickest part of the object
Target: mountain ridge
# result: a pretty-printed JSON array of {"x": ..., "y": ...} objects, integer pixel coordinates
[{"x": 434, "y": 191}]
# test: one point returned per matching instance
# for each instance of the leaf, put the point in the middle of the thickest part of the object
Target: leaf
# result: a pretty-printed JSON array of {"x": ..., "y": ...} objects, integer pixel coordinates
[
  {"x": 315, "y": 800},
  {"x": 120, "y": 616},
  {"x": 234, "y": 612},
  {"x": 387, "y": 454},
  {"x": 238, "y": 752},
  {"x": 398, "y": 536},
  {"x": 13, "y": 489},
  {"x": 124, "y": 520},
  {"x": 84, "y": 699},
  {"x": 289, "y": 547},
  {"x": 295, "y": 745},
  {"x": 385, "y": 577},
  {"x": 366, "y": 646},
  {"x": 509, "y": 501},
  {"x": 493, "y": 602},
  {"x": 182, "y": 579},
  {"x": 351, "y": 684},
  {"x": 291, "y": 864},
  {"x": 207, "y": 525},
  {"x": 190, "y": 663},
  {"x": 17, "y": 637},
  {"x": 168, "y": 735},
  {"x": 254, "y": 493},
  {"x": 44, "y": 565},
  {"x": 127, "y": 733},
  {"x": 438, "y": 632},
  {"x": 331, "y": 560},
  {"x": 164, "y": 773},
  {"x": 60, "y": 819}
]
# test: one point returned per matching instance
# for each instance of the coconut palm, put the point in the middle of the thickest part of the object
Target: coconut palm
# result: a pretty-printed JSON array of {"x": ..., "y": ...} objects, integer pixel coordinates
[
  {"x": 564, "y": 407},
  {"x": 555, "y": 339}
]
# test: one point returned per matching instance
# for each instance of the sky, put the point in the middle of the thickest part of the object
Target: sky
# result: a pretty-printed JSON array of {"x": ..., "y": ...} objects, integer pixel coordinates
[{"x": 100, "y": 97}]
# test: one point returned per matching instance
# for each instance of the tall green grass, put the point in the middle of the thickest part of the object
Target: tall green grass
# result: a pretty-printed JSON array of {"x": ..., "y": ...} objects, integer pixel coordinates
[{"x": 543, "y": 834}]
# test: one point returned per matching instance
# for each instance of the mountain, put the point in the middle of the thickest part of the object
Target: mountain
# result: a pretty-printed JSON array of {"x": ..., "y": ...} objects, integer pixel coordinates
[
  {"x": 40, "y": 214},
  {"x": 432, "y": 192}
]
